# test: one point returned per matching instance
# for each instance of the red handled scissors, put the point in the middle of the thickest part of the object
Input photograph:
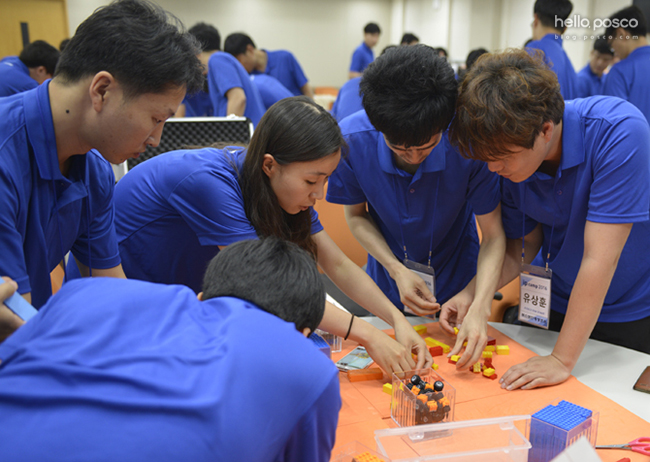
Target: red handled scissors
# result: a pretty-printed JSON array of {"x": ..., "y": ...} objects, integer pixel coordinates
[{"x": 640, "y": 445}]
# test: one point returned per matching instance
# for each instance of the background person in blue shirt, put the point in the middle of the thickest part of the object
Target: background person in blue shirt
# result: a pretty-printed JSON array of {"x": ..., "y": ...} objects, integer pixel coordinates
[
  {"x": 279, "y": 64},
  {"x": 123, "y": 74},
  {"x": 270, "y": 88},
  {"x": 407, "y": 191},
  {"x": 575, "y": 185},
  {"x": 628, "y": 79},
  {"x": 34, "y": 65},
  {"x": 153, "y": 373},
  {"x": 177, "y": 210},
  {"x": 363, "y": 55},
  {"x": 548, "y": 27},
  {"x": 591, "y": 78}
]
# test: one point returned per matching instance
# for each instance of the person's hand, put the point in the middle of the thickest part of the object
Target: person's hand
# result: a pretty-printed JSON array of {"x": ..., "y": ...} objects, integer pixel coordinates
[
  {"x": 389, "y": 354},
  {"x": 454, "y": 311},
  {"x": 474, "y": 332},
  {"x": 407, "y": 336},
  {"x": 539, "y": 371},
  {"x": 9, "y": 321},
  {"x": 415, "y": 294}
]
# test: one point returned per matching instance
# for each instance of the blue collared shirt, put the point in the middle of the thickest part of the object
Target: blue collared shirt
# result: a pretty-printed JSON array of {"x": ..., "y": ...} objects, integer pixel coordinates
[
  {"x": 559, "y": 62},
  {"x": 404, "y": 204},
  {"x": 123, "y": 370},
  {"x": 43, "y": 214},
  {"x": 348, "y": 100},
  {"x": 270, "y": 89},
  {"x": 589, "y": 84},
  {"x": 361, "y": 58},
  {"x": 198, "y": 105},
  {"x": 225, "y": 73},
  {"x": 603, "y": 177},
  {"x": 284, "y": 66},
  {"x": 629, "y": 79},
  {"x": 176, "y": 209},
  {"x": 14, "y": 77}
]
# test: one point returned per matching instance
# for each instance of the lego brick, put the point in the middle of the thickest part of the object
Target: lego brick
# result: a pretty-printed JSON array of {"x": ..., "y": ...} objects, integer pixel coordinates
[
  {"x": 434, "y": 366},
  {"x": 491, "y": 341},
  {"x": 476, "y": 368},
  {"x": 421, "y": 329},
  {"x": 488, "y": 372},
  {"x": 503, "y": 350},
  {"x": 489, "y": 348},
  {"x": 454, "y": 359},
  {"x": 374, "y": 373},
  {"x": 430, "y": 342},
  {"x": 493, "y": 377},
  {"x": 436, "y": 350},
  {"x": 366, "y": 457},
  {"x": 455, "y": 330},
  {"x": 486, "y": 354},
  {"x": 388, "y": 388}
]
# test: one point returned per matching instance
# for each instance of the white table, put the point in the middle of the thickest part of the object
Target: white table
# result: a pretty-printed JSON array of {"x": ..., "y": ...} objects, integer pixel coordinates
[{"x": 609, "y": 369}]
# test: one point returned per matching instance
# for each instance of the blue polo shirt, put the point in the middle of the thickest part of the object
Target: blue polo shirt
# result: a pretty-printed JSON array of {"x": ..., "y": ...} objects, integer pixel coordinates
[
  {"x": 603, "y": 177},
  {"x": 628, "y": 79},
  {"x": 404, "y": 204},
  {"x": 224, "y": 73},
  {"x": 14, "y": 77},
  {"x": 589, "y": 84},
  {"x": 43, "y": 214},
  {"x": 174, "y": 210},
  {"x": 132, "y": 371},
  {"x": 270, "y": 89},
  {"x": 284, "y": 66},
  {"x": 362, "y": 56},
  {"x": 348, "y": 101},
  {"x": 198, "y": 105},
  {"x": 559, "y": 62}
]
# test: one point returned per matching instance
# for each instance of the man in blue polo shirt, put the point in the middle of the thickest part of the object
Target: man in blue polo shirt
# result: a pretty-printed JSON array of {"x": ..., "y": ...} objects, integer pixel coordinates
[
  {"x": 410, "y": 198},
  {"x": 279, "y": 64},
  {"x": 628, "y": 79},
  {"x": 363, "y": 55},
  {"x": 575, "y": 185},
  {"x": 231, "y": 89},
  {"x": 152, "y": 373},
  {"x": 548, "y": 27},
  {"x": 55, "y": 140},
  {"x": 591, "y": 78},
  {"x": 34, "y": 66},
  {"x": 270, "y": 88},
  {"x": 348, "y": 101}
]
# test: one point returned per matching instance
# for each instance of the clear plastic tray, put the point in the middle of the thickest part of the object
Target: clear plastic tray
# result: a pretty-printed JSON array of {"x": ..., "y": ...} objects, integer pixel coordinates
[
  {"x": 335, "y": 342},
  {"x": 500, "y": 439}
]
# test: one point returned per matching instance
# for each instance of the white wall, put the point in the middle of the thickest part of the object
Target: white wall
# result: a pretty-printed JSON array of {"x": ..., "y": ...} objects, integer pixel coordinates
[{"x": 322, "y": 34}]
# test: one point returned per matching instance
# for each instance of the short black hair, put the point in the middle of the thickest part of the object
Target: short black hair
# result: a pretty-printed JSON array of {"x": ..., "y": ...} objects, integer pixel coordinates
[
  {"x": 63, "y": 44},
  {"x": 409, "y": 94},
  {"x": 371, "y": 28},
  {"x": 473, "y": 56},
  {"x": 237, "y": 43},
  {"x": 625, "y": 17},
  {"x": 140, "y": 44},
  {"x": 603, "y": 47},
  {"x": 443, "y": 51},
  {"x": 409, "y": 38},
  {"x": 276, "y": 275},
  {"x": 40, "y": 53},
  {"x": 548, "y": 11},
  {"x": 207, "y": 36}
]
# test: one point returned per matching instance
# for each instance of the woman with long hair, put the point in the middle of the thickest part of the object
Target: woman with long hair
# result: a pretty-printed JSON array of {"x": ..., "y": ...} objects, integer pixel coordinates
[{"x": 176, "y": 211}]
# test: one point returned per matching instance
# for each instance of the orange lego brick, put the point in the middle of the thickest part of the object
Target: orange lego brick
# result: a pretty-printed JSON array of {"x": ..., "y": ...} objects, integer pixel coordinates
[
  {"x": 374, "y": 373},
  {"x": 423, "y": 398}
]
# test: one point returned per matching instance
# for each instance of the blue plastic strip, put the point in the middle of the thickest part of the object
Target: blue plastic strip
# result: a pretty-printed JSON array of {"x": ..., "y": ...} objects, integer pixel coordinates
[{"x": 21, "y": 307}]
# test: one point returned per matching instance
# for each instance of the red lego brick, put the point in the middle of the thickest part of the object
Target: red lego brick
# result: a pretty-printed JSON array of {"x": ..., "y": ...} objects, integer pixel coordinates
[
  {"x": 436, "y": 350},
  {"x": 491, "y": 341}
]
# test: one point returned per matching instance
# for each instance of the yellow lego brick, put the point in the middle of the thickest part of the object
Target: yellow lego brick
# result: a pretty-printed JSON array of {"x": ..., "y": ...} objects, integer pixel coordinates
[
  {"x": 489, "y": 348},
  {"x": 488, "y": 372},
  {"x": 434, "y": 366},
  {"x": 420, "y": 329},
  {"x": 476, "y": 368},
  {"x": 455, "y": 330},
  {"x": 486, "y": 354},
  {"x": 366, "y": 457},
  {"x": 455, "y": 357},
  {"x": 430, "y": 342},
  {"x": 503, "y": 350},
  {"x": 433, "y": 342},
  {"x": 445, "y": 348},
  {"x": 388, "y": 388}
]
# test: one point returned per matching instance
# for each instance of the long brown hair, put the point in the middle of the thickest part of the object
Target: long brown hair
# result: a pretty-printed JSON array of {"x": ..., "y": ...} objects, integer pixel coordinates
[{"x": 292, "y": 130}]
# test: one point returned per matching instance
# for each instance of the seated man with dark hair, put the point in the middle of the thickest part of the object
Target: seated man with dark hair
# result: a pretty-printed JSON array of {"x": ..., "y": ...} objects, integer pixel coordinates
[
  {"x": 591, "y": 78},
  {"x": 124, "y": 72},
  {"x": 125, "y": 370},
  {"x": 34, "y": 65},
  {"x": 575, "y": 186},
  {"x": 628, "y": 79}
]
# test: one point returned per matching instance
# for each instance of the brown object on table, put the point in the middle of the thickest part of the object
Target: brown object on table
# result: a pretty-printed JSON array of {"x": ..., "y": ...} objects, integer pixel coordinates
[{"x": 362, "y": 375}]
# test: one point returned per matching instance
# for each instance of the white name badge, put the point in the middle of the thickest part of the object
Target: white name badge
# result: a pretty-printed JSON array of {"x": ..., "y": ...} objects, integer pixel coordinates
[
  {"x": 426, "y": 273},
  {"x": 535, "y": 295}
]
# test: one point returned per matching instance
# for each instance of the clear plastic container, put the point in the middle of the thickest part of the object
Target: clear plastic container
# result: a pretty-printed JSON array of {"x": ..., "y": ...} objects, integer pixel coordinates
[
  {"x": 557, "y": 426},
  {"x": 500, "y": 439},
  {"x": 357, "y": 452},
  {"x": 335, "y": 342},
  {"x": 321, "y": 344},
  {"x": 407, "y": 410}
]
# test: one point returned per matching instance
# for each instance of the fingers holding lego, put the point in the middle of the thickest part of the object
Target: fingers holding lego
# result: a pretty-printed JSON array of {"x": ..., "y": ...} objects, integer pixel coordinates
[
  {"x": 453, "y": 312},
  {"x": 415, "y": 294},
  {"x": 539, "y": 371},
  {"x": 474, "y": 332},
  {"x": 389, "y": 354}
]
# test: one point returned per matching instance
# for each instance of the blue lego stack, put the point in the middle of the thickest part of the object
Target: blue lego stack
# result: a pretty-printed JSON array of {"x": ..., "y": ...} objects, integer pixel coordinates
[
  {"x": 555, "y": 428},
  {"x": 321, "y": 344}
]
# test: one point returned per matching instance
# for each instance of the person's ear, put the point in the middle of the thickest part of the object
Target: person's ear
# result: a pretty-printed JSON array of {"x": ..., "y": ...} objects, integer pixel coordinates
[
  {"x": 200, "y": 296},
  {"x": 306, "y": 332},
  {"x": 547, "y": 131},
  {"x": 269, "y": 165},
  {"x": 101, "y": 85}
]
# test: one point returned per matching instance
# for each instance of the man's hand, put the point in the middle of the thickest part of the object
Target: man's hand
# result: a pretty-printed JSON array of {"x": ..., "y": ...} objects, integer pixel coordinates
[
  {"x": 454, "y": 311},
  {"x": 389, "y": 354},
  {"x": 415, "y": 294},
  {"x": 414, "y": 343},
  {"x": 539, "y": 371}
]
